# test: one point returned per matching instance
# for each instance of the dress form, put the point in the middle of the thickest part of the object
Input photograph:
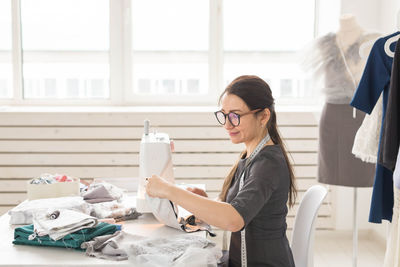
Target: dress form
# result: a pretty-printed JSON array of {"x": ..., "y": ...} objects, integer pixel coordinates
[{"x": 349, "y": 32}]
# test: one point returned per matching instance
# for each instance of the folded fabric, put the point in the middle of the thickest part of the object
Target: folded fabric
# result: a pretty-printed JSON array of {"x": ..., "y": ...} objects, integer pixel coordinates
[
  {"x": 114, "y": 209},
  {"x": 109, "y": 247},
  {"x": 98, "y": 194},
  {"x": 99, "y": 191},
  {"x": 22, "y": 214},
  {"x": 181, "y": 250},
  {"x": 61, "y": 222},
  {"x": 73, "y": 240}
]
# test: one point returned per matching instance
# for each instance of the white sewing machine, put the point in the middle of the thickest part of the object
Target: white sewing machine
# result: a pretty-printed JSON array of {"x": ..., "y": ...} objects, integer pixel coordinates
[{"x": 154, "y": 158}]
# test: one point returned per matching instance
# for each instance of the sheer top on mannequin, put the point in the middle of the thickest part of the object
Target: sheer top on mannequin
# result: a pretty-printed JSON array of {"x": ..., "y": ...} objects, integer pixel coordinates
[{"x": 335, "y": 59}]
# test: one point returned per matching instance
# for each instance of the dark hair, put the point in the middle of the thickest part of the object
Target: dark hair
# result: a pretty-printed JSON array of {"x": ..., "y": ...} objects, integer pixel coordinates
[{"x": 256, "y": 93}]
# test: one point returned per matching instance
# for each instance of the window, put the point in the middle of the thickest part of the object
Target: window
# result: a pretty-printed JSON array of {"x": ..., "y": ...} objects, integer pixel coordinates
[
  {"x": 6, "y": 78},
  {"x": 169, "y": 47},
  {"x": 65, "y": 48},
  {"x": 155, "y": 51},
  {"x": 255, "y": 45}
]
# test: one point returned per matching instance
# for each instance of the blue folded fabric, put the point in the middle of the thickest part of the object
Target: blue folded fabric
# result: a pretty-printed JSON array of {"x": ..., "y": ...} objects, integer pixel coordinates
[{"x": 73, "y": 240}]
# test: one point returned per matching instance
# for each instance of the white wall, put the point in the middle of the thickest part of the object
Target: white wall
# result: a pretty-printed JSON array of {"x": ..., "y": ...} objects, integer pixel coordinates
[
  {"x": 378, "y": 15},
  {"x": 344, "y": 210},
  {"x": 367, "y": 12},
  {"x": 389, "y": 10}
]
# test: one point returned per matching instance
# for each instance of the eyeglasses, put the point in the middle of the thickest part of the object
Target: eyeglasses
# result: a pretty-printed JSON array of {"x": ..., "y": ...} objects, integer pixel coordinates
[{"x": 233, "y": 117}]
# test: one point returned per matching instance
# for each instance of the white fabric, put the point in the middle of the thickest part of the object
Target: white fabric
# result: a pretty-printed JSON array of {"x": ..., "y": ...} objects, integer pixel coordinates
[
  {"x": 396, "y": 173},
  {"x": 111, "y": 209},
  {"x": 392, "y": 255},
  {"x": 181, "y": 250},
  {"x": 113, "y": 191},
  {"x": 164, "y": 210},
  {"x": 68, "y": 221},
  {"x": 366, "y": 141},
  {"x": 22, "y": 214},
  {"x": 108, "y": 247}
]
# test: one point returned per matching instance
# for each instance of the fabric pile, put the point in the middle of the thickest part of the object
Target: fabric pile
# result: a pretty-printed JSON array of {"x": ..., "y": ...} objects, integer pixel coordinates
[
  {"x": 23, "y": 213},
  {"x": 23, "y": 236},
  {"x": 99, "y": 191},
  {"x": 114, "y": 209},
  {"x": 76, "y": 222},
  {"x": 69, "y": 221},
  {"x": 180, "y": 250},
  {"x": 99, "y": 199},
  {"x": 59, "y": 223}
]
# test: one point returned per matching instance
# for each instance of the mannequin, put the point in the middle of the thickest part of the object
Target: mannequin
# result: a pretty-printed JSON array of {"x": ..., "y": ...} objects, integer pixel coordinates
[
  {"x": 336, "y": 58},
  {"x": 349, "y": 31}
]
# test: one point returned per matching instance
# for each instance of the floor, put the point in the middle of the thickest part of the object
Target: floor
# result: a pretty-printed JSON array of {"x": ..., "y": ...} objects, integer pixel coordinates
[{"x": 335, "y": 248}]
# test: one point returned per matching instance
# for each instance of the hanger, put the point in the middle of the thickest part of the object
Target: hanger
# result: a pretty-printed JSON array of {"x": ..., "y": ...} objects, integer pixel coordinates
[{"x": 393, "y": 39}]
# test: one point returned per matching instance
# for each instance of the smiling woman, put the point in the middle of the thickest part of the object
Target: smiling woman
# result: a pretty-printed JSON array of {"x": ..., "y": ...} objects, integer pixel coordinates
[{"x": 253, "y": 201}]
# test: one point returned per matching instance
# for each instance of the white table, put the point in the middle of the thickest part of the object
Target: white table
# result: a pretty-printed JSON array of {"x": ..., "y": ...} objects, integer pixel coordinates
[{"x": 22, "y": 255}]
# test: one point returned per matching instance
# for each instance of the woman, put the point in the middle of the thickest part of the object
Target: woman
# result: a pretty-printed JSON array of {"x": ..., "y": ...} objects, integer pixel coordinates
[{"x": 248, "y": 115}]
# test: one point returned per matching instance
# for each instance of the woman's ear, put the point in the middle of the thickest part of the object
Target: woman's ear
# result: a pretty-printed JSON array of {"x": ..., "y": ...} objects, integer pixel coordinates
[{"x": 265, "y": 116}]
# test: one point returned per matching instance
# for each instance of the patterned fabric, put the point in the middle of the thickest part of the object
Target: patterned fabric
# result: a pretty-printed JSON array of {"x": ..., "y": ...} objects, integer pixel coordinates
[{"x": 366, "y": 141}]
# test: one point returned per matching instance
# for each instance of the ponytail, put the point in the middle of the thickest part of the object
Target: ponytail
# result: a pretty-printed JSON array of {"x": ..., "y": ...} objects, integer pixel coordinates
[{"x": 276, "y": 138}]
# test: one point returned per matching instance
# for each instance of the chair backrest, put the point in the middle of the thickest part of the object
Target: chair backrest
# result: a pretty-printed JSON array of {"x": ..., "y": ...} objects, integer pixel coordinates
[{"x": 304, "y": 226}]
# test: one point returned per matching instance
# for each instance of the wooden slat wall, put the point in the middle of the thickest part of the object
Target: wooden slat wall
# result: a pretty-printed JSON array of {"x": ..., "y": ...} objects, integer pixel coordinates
[{"x": 106, "y": 144}]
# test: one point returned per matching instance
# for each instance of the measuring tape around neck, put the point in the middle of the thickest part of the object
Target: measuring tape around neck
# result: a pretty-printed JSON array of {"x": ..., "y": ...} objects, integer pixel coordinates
[{"x": 260, "y": 145}]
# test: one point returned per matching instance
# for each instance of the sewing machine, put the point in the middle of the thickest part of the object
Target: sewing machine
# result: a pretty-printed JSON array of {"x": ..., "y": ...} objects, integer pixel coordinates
[{"x": 154, "y": 158}]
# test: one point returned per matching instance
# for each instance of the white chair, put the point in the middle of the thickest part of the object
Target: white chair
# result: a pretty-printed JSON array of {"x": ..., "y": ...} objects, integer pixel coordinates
[{"x": 304, "y": 226}]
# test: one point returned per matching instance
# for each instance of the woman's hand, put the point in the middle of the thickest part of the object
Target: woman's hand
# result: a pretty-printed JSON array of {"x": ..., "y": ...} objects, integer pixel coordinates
[
  {"x": 197, "y": 191},
  {"x": 157, "y": 187}
]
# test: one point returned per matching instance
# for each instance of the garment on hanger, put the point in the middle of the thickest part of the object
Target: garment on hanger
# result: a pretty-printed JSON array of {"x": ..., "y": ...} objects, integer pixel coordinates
[
  {"x": 374, "y": 81},
  {"x": 341, "y": 72},
  {"x": 366, "y": 141},
  {"x": 391, "y": 126},
  {"x": 392, "y": 255},
  {"x": 396, "y": 173}
]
